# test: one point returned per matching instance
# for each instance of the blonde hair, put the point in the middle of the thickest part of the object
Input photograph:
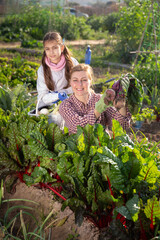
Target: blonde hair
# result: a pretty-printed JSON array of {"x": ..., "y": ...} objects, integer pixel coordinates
[
  {"x": 86, "y": 68},
  {"x": 50, "y": 36}
]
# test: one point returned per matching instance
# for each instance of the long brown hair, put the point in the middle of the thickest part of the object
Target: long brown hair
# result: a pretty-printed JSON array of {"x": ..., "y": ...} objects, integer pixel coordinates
[{"x": 50, "y": 36}]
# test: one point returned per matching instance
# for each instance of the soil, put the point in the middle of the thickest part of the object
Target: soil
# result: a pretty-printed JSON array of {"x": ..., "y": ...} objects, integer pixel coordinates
[
  {"x": 150, "y": 130},
  {"x": 74, "y": 43},
  {"x": 62, "y": 223}
]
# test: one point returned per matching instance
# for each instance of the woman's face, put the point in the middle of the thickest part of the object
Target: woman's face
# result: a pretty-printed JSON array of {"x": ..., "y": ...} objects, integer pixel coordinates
[
  {"x": 53, "y": 51},
  {"x": 80, "y": 83}
]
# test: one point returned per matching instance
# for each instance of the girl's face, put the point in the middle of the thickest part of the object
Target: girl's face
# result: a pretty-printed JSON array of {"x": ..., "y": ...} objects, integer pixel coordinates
[
  {"x": 53, "y": 51},
  {"x": 80, "y": 83}
]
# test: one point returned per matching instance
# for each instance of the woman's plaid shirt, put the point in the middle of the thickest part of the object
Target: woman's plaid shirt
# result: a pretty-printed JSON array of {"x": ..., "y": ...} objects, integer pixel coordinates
[{"x": 77, "y": 113}]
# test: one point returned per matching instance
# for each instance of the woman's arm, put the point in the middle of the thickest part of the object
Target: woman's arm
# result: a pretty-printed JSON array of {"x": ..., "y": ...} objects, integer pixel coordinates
[{"x": 122, "y": 115}]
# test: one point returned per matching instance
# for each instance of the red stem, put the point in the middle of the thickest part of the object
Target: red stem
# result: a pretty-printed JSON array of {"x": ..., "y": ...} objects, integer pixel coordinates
[{"x": 58, "y": 194}]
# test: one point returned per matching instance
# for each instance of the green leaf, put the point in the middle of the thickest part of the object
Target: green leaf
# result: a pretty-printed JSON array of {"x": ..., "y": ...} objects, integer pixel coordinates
[
  {"x": 38, "y": 145},
  {"x": 23, "y": 225},
  {"x": 149, "y": 172},
  {"x": 5, "y": 99},
  {"x": 152, "y": 209},
  {"x": 28, "y": 180},
  {"x": 80, "y": 143},
  {"x": 79, "y": 215},
  {"x": 54, "y": 136}
]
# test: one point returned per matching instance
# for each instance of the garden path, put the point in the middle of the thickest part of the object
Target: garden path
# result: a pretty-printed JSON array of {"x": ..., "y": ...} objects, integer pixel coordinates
[{"x": 75, "y": 42}]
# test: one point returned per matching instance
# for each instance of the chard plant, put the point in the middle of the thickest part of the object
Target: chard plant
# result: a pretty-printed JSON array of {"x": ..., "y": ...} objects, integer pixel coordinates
[
  {"x": 18, "y": 71},
  {"x": 113, "y": 182},
  {"x": 27, "y": 144}
]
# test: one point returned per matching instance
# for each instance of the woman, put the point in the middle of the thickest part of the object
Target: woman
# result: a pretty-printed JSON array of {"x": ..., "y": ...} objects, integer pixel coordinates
[{"x": 86, "y": 107}]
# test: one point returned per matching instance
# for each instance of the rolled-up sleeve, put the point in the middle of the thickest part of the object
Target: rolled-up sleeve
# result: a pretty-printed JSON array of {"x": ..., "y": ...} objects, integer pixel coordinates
[{"x": 124, "y": 121}]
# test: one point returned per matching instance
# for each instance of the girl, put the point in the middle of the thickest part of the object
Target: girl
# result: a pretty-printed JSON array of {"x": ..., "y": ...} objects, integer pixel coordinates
[
  {"x": 54, "y": 72},
  {"x": 86, "y": 107}
]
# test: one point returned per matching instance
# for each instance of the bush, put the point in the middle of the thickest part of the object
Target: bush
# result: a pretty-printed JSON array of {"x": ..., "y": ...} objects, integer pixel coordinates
[
  {"x": 96, "y": 22},
  {"x": 146, "y": 71},
  {"x": 110, "y": 21},
  {"x": 35, "y": 21},
  {"x": 18, "y": 71},
  {"x": 131, "y": 26}
]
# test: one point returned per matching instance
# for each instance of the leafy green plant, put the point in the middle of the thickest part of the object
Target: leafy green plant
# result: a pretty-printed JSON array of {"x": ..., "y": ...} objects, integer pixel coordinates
[
  {"x": 131, "y": 25},
  {"x": 31, "y": 44},
  {"x": 18, "y": 71},
  {"x": 110, "y": 21},
  {"x": 27, "y": 145},
  {"x": 138, "y": 117},
  {"x": 73, "y": 236},
  {"x": 148, "y": 114},
  {"x": 134, "y": 92},
  {"x": 34, "y": 21},
  {"x": 110, "y": 180},
  {"x": 148, "y": 70}
]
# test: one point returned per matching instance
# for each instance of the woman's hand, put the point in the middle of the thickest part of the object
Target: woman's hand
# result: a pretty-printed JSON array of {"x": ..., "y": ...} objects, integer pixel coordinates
[{"x": 110, "y": 96}]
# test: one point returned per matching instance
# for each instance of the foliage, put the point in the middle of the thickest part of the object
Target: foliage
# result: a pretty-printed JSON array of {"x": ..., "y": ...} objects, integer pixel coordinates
[
  {"x": 26, "y": 142},
  {"x": 110, "y": 21},
  {"x": 104, "y": 23},
  {"x": 148, "y": 70},
  {"x": 31, "y": 44},
  {"x": 132, "y": 89},
  {"x": 137, "y": 117},
  {"x": 35, "y": 21},
  {"x": 18, "y": 71},
  {"x": 131, "y": 26},
  {"x": 96, "y": 22},
  {"x": 103, "y": 179},
  {"x": 108, "y": 178},
  {"x": 147, "y": 114}
]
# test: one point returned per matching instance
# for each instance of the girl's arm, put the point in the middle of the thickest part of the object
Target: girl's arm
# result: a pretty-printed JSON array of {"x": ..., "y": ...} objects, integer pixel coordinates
[
  {"x": 45, "y": 96},
  {"x": 41, "y": 85}
]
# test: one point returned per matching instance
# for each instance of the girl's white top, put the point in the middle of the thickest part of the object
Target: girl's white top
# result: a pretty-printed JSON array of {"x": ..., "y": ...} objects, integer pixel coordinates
[{"x": 47, "y": 97}]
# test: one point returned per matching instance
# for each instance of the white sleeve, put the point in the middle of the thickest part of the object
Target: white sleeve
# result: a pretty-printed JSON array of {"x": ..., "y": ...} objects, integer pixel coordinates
[
  {"x": 66, "y": 90},
  {"x": 44, "y": 95},
  {"x": 50, "y": 97},
  {"x": 75, "y": 62},
  {"x": 41, "y": 85}
]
